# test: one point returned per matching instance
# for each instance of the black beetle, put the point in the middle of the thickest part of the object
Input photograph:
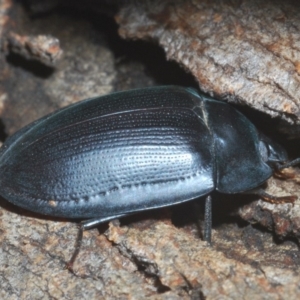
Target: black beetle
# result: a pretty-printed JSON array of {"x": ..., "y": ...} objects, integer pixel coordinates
[{"x": 111, "y": 156}]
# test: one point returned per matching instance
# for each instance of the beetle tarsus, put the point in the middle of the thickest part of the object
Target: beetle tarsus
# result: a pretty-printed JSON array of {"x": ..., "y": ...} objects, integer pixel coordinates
[
  {"x": 207, "y": 219},
  {"x": 70, "y": 263},
  {"x": 276, "y": 200}
]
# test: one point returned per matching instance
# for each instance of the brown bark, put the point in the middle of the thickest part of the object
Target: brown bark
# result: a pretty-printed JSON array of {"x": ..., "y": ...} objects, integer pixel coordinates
[{"x": 242, "y": 51}]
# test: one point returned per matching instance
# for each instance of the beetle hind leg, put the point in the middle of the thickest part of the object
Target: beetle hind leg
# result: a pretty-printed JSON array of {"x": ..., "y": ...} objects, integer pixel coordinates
[
  {"x": 70, "y": 263},
  {"x": 90, "y": 223}
]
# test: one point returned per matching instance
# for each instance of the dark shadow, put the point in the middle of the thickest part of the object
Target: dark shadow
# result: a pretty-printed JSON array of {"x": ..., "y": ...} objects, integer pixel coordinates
[
  {"x": 3, "y": 134},
  {"x": 270, "y": 127},
  {"x": 224, "y": 207},
  {"x": 32, "y": 66},
  {"x": 149, "y": 54}
]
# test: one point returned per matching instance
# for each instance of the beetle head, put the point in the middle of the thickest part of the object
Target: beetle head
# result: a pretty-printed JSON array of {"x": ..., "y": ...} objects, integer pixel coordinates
[{"x": 272, "y": 153}]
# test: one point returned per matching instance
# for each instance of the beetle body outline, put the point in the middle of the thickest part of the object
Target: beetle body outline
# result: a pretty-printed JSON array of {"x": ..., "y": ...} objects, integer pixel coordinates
[{"x": 110, "y": 156}]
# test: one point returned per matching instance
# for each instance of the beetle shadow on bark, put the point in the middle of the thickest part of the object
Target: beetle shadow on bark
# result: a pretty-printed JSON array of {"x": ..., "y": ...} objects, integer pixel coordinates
[
  {"x": 24, "y": 212},
  {"x": 224, "y": 208},
  {"x": 189, "y": 215}
]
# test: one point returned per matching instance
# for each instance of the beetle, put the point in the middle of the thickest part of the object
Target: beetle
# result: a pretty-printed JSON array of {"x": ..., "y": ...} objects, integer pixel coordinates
[{"x": 111, "y": 156}]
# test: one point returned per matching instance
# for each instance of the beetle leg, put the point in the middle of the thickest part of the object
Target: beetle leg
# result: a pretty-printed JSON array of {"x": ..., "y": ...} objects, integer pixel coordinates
[
  {"x": 287, "y": 173},
  {"x": 88, "y": 224},
  {"x": 207, "y": 219},
  {"x": 273, "y": 199},
  {"x": 84, "y": 225},
  {"x": 69, "y": 264}
]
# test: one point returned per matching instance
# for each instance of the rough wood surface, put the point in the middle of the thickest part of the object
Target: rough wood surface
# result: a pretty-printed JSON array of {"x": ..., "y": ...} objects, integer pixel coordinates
[{"x": 244, "y": 51}]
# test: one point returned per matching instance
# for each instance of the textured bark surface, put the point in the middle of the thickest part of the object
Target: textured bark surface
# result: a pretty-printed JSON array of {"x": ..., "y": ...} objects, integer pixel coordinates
[
  {"x": 244, "y": 51},
  {"x": 284, "y": 219},
  {"x": 210, "y": 274},
  {"x": 31, "y": 87}
]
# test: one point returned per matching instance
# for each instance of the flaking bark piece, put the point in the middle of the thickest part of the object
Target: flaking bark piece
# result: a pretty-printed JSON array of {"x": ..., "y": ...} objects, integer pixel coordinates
[
  {"x": 43, "y": 48},
  {"x": 243, "y": 51},
  {"x": 182, "y": 262}
]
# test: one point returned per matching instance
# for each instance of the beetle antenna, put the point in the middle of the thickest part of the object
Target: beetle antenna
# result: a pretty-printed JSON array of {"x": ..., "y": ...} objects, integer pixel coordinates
[
  {"x": 288, "y": 164},
  {"x": 207, "y": 219}
]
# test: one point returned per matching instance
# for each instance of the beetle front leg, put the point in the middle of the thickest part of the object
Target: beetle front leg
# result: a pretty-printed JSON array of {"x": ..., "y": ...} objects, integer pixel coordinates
[
  {"x": 273, "y": 199},
  {"x": 285, "y": 171}
]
